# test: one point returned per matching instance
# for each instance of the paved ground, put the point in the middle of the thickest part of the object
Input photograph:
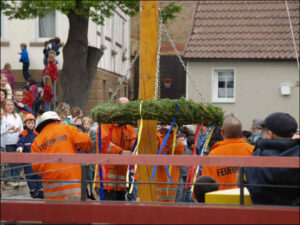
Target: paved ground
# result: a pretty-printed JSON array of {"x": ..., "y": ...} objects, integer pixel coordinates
[{"x": 19, "y": 192}]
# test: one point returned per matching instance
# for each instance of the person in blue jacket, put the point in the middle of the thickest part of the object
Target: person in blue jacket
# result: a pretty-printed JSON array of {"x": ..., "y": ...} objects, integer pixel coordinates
[
  {"x": 25, "y": 60},
  {"x": 278, "y": 130},
  {"x": 26, "y": 138}
]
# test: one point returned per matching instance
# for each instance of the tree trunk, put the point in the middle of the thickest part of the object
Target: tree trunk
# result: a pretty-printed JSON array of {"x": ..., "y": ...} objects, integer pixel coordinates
[{"x": 80, "y": 63}]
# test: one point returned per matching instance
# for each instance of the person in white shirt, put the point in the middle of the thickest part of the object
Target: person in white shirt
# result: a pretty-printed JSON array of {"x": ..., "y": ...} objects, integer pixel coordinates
[
  {"x": 11, "y": 127},
  {"x": 6, "y": 86}
]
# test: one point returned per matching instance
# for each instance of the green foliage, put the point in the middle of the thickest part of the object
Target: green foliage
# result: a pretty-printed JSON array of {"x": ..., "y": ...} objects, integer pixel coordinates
[
  {"x": 163, "y": 110},
  {"x": 97, "y": 10}
]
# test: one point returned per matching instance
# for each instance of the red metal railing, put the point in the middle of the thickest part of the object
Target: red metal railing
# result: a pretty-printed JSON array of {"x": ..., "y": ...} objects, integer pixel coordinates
[{"x": 152, "y": 213}]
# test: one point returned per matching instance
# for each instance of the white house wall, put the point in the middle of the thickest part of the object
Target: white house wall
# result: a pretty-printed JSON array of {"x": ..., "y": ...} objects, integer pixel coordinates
[
  {"x": 15, "y": 32},
  {"x": 257, "y": 88}
]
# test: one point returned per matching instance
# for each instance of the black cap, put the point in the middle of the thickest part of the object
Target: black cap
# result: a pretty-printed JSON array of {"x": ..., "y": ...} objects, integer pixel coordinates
[{"x": 281, "y": 124}]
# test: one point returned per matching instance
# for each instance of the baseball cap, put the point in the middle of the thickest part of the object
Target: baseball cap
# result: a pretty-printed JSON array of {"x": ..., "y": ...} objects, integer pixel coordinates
[{"x": 281, "y": 124}]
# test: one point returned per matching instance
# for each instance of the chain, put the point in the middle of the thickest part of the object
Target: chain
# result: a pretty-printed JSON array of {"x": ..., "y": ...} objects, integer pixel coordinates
[
  {"x": 157, "y": 77},
  {"x": 123, "y": 78},
  {"x": 181, "y": 61}
]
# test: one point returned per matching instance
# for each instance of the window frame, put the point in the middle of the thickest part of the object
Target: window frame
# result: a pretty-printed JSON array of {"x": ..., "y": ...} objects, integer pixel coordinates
[
  {"x": 214, "y": 94},
  {"x": 37, "y": 30},
  {"x": 3, "y": 27}
]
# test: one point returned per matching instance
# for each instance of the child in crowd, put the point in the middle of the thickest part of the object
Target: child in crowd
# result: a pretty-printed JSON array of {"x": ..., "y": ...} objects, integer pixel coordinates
[
  {"x": 10, "y": 76},
  {"x": 246, "y": 135},
  {"x": 26, "y": 138},
  {"x": 51, "y": 69},
  {"x": 5, "y": 85},
  {"x": 204, "y": 184},
  {"x": 47, "y": 93},
  {"x": 87, "y": 128},
  {"x": 63, "y": 111},
  {"x": 33, "y": 87},
  {"x": 75, "y": 112},
  {"x": 27, "y": 97},
  {"x": 77, "y": 122},
  {"x": 25, "y": 60},
  {"x": 45, "y": 52}
]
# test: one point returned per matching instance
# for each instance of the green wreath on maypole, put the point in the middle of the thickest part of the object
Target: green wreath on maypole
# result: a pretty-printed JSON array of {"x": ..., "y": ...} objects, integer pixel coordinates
[{"x": 161, "y": 110}]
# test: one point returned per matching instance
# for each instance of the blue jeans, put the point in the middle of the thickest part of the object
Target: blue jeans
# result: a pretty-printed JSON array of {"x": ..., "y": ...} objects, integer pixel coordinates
[
  {"x": 34, "y": 182},
  {"x": 13, "y": 173},
  {"x": 25, "y": 69},
  {"x": 47, "y": 106},
  {"x": 183, "y": 195}
]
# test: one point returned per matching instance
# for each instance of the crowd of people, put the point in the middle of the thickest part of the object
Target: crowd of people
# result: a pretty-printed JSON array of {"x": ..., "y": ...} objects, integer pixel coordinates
[
  {"x": 68, "y": 131},
  {"x": 37, "y": 95}
]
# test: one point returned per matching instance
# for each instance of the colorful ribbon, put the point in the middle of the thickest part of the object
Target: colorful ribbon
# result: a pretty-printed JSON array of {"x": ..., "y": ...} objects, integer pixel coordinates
[{"x": 135, "y": 152}]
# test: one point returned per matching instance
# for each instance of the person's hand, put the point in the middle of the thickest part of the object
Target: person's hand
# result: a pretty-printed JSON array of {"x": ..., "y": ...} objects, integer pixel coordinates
[
  {"x": 11, "y": 128},
  {"x": 20, "y": 104},
  {"x": 125, "y": 152},
  {"x": 19, "y": 149}
]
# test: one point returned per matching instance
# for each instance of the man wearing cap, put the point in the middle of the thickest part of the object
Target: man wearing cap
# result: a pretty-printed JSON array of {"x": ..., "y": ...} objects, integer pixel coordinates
[
  {"x": 278, "y": 130},
  {"x": 59, "y": 138}
]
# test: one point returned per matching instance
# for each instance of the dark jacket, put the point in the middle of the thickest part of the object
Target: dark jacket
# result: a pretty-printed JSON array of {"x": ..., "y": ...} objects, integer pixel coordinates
[
  {"x": 274, "y": 176},
  {"x": 24, "y": 56},
  {"x": 26, "y": 109},
  {"x": 26, "y": 138}
]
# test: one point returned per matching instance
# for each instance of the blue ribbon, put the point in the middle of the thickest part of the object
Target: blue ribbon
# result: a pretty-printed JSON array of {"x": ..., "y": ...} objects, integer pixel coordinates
[
  {"x": 100, "y": 168},
  {"x": 162, "y": 146}
]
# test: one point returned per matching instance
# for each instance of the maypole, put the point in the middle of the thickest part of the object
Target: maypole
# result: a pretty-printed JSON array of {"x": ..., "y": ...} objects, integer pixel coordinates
[{"x": 147, "y": 72}]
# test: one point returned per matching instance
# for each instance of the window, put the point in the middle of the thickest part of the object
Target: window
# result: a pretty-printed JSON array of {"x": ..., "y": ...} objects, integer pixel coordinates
[
  {"x": 46, "y": 26},
  {"x": 223, "y": 89}
]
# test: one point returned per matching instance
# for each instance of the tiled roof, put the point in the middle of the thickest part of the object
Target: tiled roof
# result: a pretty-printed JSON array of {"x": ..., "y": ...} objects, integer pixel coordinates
[{"x": 244, "y": 29}]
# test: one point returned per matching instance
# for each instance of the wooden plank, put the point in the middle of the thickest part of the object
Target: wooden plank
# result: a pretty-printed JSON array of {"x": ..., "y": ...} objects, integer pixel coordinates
[
  {"x": 147, "y": 72},
  {"x": 141, "y": 213},
  {"x": 176, "y": 160}
]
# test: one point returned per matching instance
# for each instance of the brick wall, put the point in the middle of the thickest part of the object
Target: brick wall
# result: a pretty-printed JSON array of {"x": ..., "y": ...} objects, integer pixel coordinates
[{"x": 179, "y": 29}]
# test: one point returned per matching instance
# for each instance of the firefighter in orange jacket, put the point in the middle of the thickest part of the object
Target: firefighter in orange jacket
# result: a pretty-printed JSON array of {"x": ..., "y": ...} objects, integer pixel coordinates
[
  {"x": 59, "y": 138},
  {"x": 167, "y": 192},
  {"x": 122, "y": 141}
]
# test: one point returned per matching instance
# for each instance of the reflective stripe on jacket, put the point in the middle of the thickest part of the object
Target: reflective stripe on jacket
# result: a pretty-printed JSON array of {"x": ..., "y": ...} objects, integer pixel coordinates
[
  {"x": 60, "y": 138},
  {"x": 167, "y": 192},
  {"x": 122, "y": 138}
]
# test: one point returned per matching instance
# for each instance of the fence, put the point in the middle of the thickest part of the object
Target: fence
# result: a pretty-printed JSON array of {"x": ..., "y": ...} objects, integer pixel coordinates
[{"x": 147, "y": 213}]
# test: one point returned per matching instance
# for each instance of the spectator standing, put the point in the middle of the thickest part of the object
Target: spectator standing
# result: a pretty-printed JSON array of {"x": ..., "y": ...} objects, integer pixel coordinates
[
  {"x": 10, "y": 76},
  {"x": 19, "y": 106},
  {"x": 184, "y": 194},
  {"x": 63, "y": 111},
  {"x": 45, "y": 52},
  {"x": 64, "y": 139},
  {"x": 5, "y": 85},
  {"x": 25, "y": 60},
  {"x": 33, "y": 88},
  {"x": 232, "y": 145},
  {"x": 278, "y": 130},
  {"x": 52, "y": 45},
  {"x": 75, "y": 112},
  {"x": 12, "y": 127},
  {"x": 47, "y": 93},
  {"x": 256, "y": 130},
  {"x": 26, "y": 138},
  {"x": 3, "y": 96},
  {"x": 27, "y": 97}
]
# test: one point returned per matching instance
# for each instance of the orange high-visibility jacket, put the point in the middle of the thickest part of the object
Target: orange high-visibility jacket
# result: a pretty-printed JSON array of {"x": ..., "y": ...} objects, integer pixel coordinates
[
  {"x": 228, "y": 147},
  {"x": 167, "y": 192},
  {"x": 123, "y": 138},
  {"x": 59, "y": 138}
]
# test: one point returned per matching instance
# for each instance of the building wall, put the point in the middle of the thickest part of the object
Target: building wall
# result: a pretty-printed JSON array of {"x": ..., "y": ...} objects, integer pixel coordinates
[
  {"x": 107, "y": 37},
  {"x": 257, "y": 88}
]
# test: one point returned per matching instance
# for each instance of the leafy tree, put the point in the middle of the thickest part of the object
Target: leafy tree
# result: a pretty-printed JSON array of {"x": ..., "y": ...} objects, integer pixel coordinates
[{"x": 79, "y": 60}]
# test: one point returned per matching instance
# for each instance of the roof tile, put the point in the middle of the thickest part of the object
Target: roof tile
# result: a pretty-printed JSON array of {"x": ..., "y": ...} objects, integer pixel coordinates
[{"x": 244, "y": 29}]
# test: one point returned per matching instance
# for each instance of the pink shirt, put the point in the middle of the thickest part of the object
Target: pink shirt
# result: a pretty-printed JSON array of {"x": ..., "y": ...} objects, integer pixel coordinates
[{"x": 10, "y": 77}]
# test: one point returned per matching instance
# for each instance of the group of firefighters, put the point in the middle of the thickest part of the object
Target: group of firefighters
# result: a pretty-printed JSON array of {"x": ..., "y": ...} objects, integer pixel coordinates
[{"x": 55, "y": 137}]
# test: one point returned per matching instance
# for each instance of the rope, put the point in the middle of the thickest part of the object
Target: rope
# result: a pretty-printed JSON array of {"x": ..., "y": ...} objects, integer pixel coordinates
[{"x": 291, "y": 26}]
